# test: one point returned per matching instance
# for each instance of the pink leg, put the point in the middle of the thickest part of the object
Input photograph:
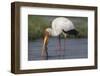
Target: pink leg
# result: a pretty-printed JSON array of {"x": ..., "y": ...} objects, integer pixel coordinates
[
  {"x": 64, "y": 43},
  {"x": 60, "y": 51},
  {"x": 58, "y": 45},
  {"x": 64, "y": 46}
]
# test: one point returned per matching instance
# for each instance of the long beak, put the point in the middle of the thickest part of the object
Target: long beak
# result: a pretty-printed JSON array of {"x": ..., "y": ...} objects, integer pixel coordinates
[{"x": 45, "y": 43}]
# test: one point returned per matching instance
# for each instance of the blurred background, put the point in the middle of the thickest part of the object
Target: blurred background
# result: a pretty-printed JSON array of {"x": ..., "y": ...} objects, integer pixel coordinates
[{"x": 38, "y": 23}]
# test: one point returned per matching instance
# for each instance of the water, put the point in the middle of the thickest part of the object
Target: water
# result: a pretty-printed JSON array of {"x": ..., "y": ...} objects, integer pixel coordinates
[{"x": 74, "y": 49}]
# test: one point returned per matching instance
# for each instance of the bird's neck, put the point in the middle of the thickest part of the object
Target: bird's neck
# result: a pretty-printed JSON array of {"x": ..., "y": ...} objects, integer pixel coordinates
[{"x": 54, "y": 32}]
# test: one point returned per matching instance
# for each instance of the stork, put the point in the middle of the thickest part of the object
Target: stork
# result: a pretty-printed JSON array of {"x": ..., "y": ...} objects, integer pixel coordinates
[{"x": 59, "y": 25}]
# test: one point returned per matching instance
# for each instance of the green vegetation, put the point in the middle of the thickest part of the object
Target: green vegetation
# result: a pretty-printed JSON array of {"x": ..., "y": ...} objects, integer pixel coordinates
[{"x": 37, "y": 25}]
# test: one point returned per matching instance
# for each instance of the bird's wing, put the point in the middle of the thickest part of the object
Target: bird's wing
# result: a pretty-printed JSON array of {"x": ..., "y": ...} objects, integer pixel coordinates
[
  {"x": 60, "y": 24},
  {"x": 68, "y": 25},
  {"x": 56, "y": 27}
]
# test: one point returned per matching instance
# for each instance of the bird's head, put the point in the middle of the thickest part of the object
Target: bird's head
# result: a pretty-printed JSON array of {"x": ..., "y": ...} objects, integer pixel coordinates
[{"x": 47, "y": 33}]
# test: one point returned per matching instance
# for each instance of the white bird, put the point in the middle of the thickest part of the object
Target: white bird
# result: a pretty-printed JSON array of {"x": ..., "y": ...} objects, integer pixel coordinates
[{"x": 59, "y": 25}]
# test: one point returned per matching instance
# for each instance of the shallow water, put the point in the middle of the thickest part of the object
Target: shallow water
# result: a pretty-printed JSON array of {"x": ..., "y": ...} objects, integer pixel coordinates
[{"x": 74, "y": 49}]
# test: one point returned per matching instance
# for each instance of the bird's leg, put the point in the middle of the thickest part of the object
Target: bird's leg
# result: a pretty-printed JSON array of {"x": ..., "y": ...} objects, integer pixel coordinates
[
  {"x": 58, "y": 45},
  {"x": 65, "y": 36}
]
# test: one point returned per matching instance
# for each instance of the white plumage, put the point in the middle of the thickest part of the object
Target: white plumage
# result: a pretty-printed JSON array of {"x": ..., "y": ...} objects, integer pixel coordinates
[{"x": 59, "y": 24}]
